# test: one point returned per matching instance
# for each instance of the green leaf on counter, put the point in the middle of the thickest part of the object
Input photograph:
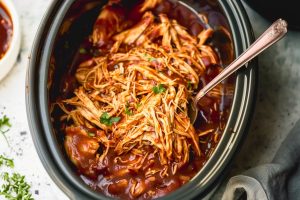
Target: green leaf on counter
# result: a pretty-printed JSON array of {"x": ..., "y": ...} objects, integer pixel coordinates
[
  {"x": 4, "y": 127},
  {"x": 15, "y": 187},
  {"x": 6, "y": 162}
]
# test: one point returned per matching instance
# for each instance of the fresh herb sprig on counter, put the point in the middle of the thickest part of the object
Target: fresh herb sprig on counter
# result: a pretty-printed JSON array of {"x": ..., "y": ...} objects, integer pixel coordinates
[
  {"x": 14, "y": 186},
  {"x": 6, "y": 162},
  {"x": 4, "y": 127},
  {"x": 4, "y": 123}
]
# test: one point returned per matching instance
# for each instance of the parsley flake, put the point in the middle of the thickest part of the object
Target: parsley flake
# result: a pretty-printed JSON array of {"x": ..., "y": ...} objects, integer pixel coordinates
[
  {"x": 107, "y": 120},
  {"x": 91, "y": 134},
  {"x": 15, "y": 187},
  {"x": 6, "y": 162},
  {"x": 128, "y": 111},
  {"x": 138, "y": 105},
  {"x": 4, "y": 122},
  {"x": 149, "y": 57},
  {"x": 189, "y": 85},
  {"x": 82, "y": 51},
  {"x": 159, "y": 89},
  {"x": 4, "y": 127}
]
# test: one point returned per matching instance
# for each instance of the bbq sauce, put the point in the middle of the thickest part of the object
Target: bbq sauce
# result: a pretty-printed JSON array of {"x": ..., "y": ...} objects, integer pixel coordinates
[{"x": 6, "y": 30}]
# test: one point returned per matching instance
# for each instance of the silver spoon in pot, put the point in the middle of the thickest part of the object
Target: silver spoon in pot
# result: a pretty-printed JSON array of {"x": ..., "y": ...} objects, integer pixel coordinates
[{"x": 273, "y": 34}]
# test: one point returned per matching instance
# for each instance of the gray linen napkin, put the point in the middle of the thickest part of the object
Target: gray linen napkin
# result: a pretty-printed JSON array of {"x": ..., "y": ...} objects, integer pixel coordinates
[{"x": 278, "y": 180}]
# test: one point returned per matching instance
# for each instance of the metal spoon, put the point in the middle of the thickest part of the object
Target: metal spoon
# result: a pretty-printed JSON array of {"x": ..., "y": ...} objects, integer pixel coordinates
[{"x": 274, "y": 33}]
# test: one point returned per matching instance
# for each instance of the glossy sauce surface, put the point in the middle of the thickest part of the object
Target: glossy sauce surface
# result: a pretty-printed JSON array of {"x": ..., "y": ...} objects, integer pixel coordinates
[{"x": 6, "y": 30}]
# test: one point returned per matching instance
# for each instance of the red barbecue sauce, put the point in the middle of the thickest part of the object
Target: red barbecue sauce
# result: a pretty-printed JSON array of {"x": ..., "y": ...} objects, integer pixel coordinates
[{"x": 6, "y": 30}]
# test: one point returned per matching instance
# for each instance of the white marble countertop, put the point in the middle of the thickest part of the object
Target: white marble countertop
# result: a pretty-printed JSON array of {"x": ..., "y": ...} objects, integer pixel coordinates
[{"x": 277, "y": 109}]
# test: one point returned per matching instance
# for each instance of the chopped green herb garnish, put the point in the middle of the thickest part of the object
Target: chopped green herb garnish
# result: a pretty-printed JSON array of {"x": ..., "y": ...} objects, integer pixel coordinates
[
  {"x": 6, "y": 162},
  {"x": 104, "y": 119},
  {"x": 149, "y": 58},
  {"x": 82, "y": 51},
  {"x": 91, "y": 134},
  {"x": 15, "y": 187},
  {"x": 138, "y": 105},
  {"x": 128, "y": 111},
  {"x": 189, "y": 85},
  {"x": 159, "y": 89},
  {"x": 114, "y": 119},
  {"x": 107, "y": 120}
]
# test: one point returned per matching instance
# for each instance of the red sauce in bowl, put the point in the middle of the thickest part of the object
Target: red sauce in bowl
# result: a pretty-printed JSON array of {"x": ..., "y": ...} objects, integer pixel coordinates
[{"x": 6, "y": 30}]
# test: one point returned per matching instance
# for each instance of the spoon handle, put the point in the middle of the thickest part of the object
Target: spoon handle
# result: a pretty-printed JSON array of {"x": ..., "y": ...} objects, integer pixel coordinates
[{"x": 274, "y": 33}]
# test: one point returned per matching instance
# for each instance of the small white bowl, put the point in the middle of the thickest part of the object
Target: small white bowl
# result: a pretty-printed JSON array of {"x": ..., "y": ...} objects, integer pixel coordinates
[{"x": 9, "y": 58}]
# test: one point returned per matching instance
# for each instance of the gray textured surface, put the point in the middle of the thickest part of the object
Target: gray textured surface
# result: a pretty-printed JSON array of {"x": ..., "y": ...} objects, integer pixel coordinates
[{"x": 278, "y": 100}]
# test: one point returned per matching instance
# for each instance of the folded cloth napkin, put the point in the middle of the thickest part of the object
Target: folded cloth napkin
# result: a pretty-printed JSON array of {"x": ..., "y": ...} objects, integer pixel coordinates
[{"x": 278, "y": 180}]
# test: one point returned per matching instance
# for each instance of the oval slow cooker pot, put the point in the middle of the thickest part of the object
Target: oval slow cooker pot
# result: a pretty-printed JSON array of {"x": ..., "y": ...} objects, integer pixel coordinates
[{"x": 47, "y": 142}]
